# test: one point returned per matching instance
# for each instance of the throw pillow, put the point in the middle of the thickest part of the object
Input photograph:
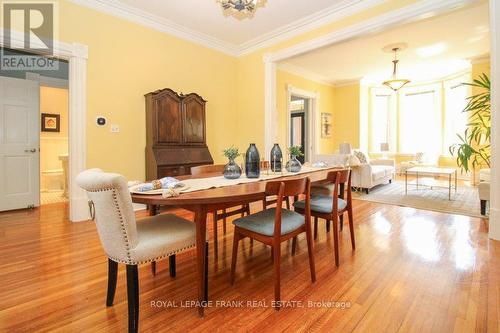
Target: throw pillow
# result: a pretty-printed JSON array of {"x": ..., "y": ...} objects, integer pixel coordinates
[{"x": 363, "y": 159}]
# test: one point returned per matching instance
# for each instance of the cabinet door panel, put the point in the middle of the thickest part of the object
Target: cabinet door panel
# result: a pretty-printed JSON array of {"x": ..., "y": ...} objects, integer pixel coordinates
[
  {"x": 194, "y": 120},
  {"x": 169, "y": 120}
]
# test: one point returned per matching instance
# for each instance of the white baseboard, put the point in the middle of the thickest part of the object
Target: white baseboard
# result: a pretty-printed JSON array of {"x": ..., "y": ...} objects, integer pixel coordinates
[
  {"x": 79, "y": 209},
  {"x": 139, "y": 207},
  {"x": 494, "y": 224}
]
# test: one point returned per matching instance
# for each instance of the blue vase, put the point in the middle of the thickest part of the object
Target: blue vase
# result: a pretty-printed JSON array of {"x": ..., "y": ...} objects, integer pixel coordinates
[
  {"x": 276, "y": 158},
  {"x": 293, "y": 165},
  {"x": 232, "y": 170},
  {"x": 252, "y": 162}
]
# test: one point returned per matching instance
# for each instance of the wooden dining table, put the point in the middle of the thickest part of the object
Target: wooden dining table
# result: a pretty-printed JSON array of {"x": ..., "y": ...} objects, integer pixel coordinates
[{"x": 204, "y": 201}]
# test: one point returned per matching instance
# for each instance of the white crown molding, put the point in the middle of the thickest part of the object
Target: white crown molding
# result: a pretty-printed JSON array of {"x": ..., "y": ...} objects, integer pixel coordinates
[
  {"x": 306, "y": 74},
  {"x": 133, "y": 14},
  {"x": 480, "y": 59},
  {"x": 333, "y": 13},
  {"x": 328, "y": 15}
]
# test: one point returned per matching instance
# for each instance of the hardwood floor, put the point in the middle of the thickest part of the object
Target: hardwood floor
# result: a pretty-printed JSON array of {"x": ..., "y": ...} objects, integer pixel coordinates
[{"x": 412, "y": 271}]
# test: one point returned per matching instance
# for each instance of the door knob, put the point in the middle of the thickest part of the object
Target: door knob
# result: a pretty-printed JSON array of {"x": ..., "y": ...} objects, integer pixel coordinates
[{"x": 30, "y": 150}]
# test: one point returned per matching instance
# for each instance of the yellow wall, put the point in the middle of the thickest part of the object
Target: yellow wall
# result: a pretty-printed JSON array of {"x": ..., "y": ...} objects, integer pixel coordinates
[
  {"x": 125, "y": 62},
  {"x": 283, "y": 79},
  {"x": 346, "y": 116},
  {"x": 52, "y": 144}
]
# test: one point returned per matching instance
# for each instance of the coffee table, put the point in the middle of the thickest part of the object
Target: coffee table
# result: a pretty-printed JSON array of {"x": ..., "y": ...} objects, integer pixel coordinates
[{"x": 433, "y": 171}]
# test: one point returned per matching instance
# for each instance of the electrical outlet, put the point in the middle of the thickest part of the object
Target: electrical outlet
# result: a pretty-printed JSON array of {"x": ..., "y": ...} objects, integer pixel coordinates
[{"x": 115, "y": 128}]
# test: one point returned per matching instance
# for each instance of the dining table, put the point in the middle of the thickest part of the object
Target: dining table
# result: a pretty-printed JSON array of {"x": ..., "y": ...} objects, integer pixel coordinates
[{"x": 205, "y": 201}]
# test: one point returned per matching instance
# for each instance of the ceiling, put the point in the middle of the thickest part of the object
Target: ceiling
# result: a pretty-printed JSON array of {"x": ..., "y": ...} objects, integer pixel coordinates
[
  {"x": 437, "y": 47},
  {"x": 207, "y": 16},
  {"x": 205, "y": 22}
]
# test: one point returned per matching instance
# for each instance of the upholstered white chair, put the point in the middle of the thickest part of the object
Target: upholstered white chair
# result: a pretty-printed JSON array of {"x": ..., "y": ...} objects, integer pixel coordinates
[{"x": 128, "y": 241}]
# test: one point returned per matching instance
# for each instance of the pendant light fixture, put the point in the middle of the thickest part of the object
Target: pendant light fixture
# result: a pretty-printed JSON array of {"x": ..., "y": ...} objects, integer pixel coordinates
[
  {"x": 395, "y": 83},
  {"x": 240, "y": 8}
]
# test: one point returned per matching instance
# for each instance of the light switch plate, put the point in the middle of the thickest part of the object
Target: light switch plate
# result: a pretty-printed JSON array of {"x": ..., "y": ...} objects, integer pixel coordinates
[{"x": 115, "y": 128}]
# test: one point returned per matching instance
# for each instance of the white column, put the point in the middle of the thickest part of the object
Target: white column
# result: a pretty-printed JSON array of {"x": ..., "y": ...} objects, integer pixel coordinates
[
  {"x": 270, "y": 116},
  {"x": 494, "y": 228},
  {"x": 77, "y": 127}
]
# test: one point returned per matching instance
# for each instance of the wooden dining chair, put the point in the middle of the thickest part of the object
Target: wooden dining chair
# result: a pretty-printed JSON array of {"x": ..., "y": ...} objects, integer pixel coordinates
[
  {"x": 265, "y": 166},
  {"x": 275, "y": 225},
  {"x": 224, "y": 213},
  {"x": 129, "y": 241},
  {"x": 331, "y": 208}
]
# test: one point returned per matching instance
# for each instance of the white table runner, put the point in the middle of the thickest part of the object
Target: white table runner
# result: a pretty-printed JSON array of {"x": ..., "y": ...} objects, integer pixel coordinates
[{"x": 198, "y": 184}]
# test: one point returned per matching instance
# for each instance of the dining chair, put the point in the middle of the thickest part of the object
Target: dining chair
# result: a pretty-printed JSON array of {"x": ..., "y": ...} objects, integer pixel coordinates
[
  {"x": 275, "y": 225},
  {"x": 331, "y": 208},
  {"x": 265, "y": 166},
  {"x": 217, "y": 215},
  {"x": 129, "y": 241}
]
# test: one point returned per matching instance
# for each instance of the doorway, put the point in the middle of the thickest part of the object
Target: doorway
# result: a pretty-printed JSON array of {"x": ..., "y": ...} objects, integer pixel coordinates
[
  {"x": 34, "y": 141},
  {"x": 299, "y": 110}
]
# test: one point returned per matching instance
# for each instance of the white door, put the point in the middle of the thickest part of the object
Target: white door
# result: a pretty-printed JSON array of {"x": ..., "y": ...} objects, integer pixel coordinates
[{"x": 19, "y": 143}]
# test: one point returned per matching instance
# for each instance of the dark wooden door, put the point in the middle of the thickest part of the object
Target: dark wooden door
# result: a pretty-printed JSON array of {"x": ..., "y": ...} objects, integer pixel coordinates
[
  {"x": 194, "y": 119},
  {"x": 169, "y": 119}
]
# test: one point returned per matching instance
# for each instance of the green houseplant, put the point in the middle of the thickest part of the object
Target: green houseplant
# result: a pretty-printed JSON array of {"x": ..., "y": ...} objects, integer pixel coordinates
[
  {"x": 474, "y": 148},
  {"x": 293, "y": 165},
  {"x": 231, "y": 169}
]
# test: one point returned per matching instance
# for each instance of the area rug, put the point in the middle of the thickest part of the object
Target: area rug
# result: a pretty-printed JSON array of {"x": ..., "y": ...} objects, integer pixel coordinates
[{"x": 464, "y": 202}]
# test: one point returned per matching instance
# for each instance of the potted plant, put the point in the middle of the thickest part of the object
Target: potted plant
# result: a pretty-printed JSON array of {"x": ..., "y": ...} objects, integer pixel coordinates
[
  {"x": 231, "y": 169},
  {"x": 474, "y": 149},
  {"x": 294, "y": 165}
]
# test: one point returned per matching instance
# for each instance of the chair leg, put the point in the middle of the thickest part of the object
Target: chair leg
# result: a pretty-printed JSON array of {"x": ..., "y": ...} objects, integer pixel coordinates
[
  {"x": 336, "y": 240},
  {"x": 112, "y": 273},
  {"x": 236, "y": 240},
  {"x": 483, "y": 207},
  {"x": 315, "y": 227},
  {"x": 341, "y": 222},
  {"x": 277, "y": 277},
  {"x": 327, "y": 225},
  {"x": 311, "y": 254},
  {"x": 287, "y": 200},
  {"x": 294, "y": 245},
  {"x": 224, "y": 221},
  {"x": 247, "y": 207},
  {"x": 206, "y": 272},
  {"x": 214, "y": 226},
  {"x": 171, "y": 265},
  {"x": 351, "y": 228},
  {"x": 264, "y": 206},
  {"x": 133, "y": 298},
  {"x": 153, "y": 268}
]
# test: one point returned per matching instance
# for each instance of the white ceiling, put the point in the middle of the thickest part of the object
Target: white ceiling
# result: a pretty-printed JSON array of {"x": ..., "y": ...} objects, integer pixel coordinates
[
  {"x": 205, "y": 22},
  {"x": 437, "y": 47},
  {"x": 207, "y": 16}
]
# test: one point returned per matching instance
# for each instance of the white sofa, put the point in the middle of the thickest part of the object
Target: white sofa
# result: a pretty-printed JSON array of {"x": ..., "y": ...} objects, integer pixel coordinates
[
  {"x": 364, "y": 175},
  {"x": 373, "y": 173}
]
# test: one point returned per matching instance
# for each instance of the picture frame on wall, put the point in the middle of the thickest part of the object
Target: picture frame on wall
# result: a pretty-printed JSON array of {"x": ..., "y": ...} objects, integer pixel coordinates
[
  {"x": 326, "y": 125},
  {"x": 51, "y": 122}
]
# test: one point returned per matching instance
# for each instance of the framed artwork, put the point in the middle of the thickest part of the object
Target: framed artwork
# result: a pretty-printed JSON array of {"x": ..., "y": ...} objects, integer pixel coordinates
[
  {"x": 51, "y": 122},
  {"x": 326, "y": 125}
]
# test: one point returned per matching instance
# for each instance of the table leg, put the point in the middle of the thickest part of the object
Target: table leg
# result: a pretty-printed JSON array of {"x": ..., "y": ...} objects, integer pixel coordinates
[
  {"x": 449, "y": 186},
  {"x": 406, "y": 182},
  {"x": 455, "y": 181},
  {"x": 201, "y": 237}
]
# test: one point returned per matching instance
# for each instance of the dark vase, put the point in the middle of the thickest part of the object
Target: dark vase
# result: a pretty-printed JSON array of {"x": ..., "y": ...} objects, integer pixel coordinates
[
  {"x": 232, "y": 170},
  {"x": 252, "y": 162},
  {"x": 293, "y": 165},
  {"x": 276, "y": 158}
]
